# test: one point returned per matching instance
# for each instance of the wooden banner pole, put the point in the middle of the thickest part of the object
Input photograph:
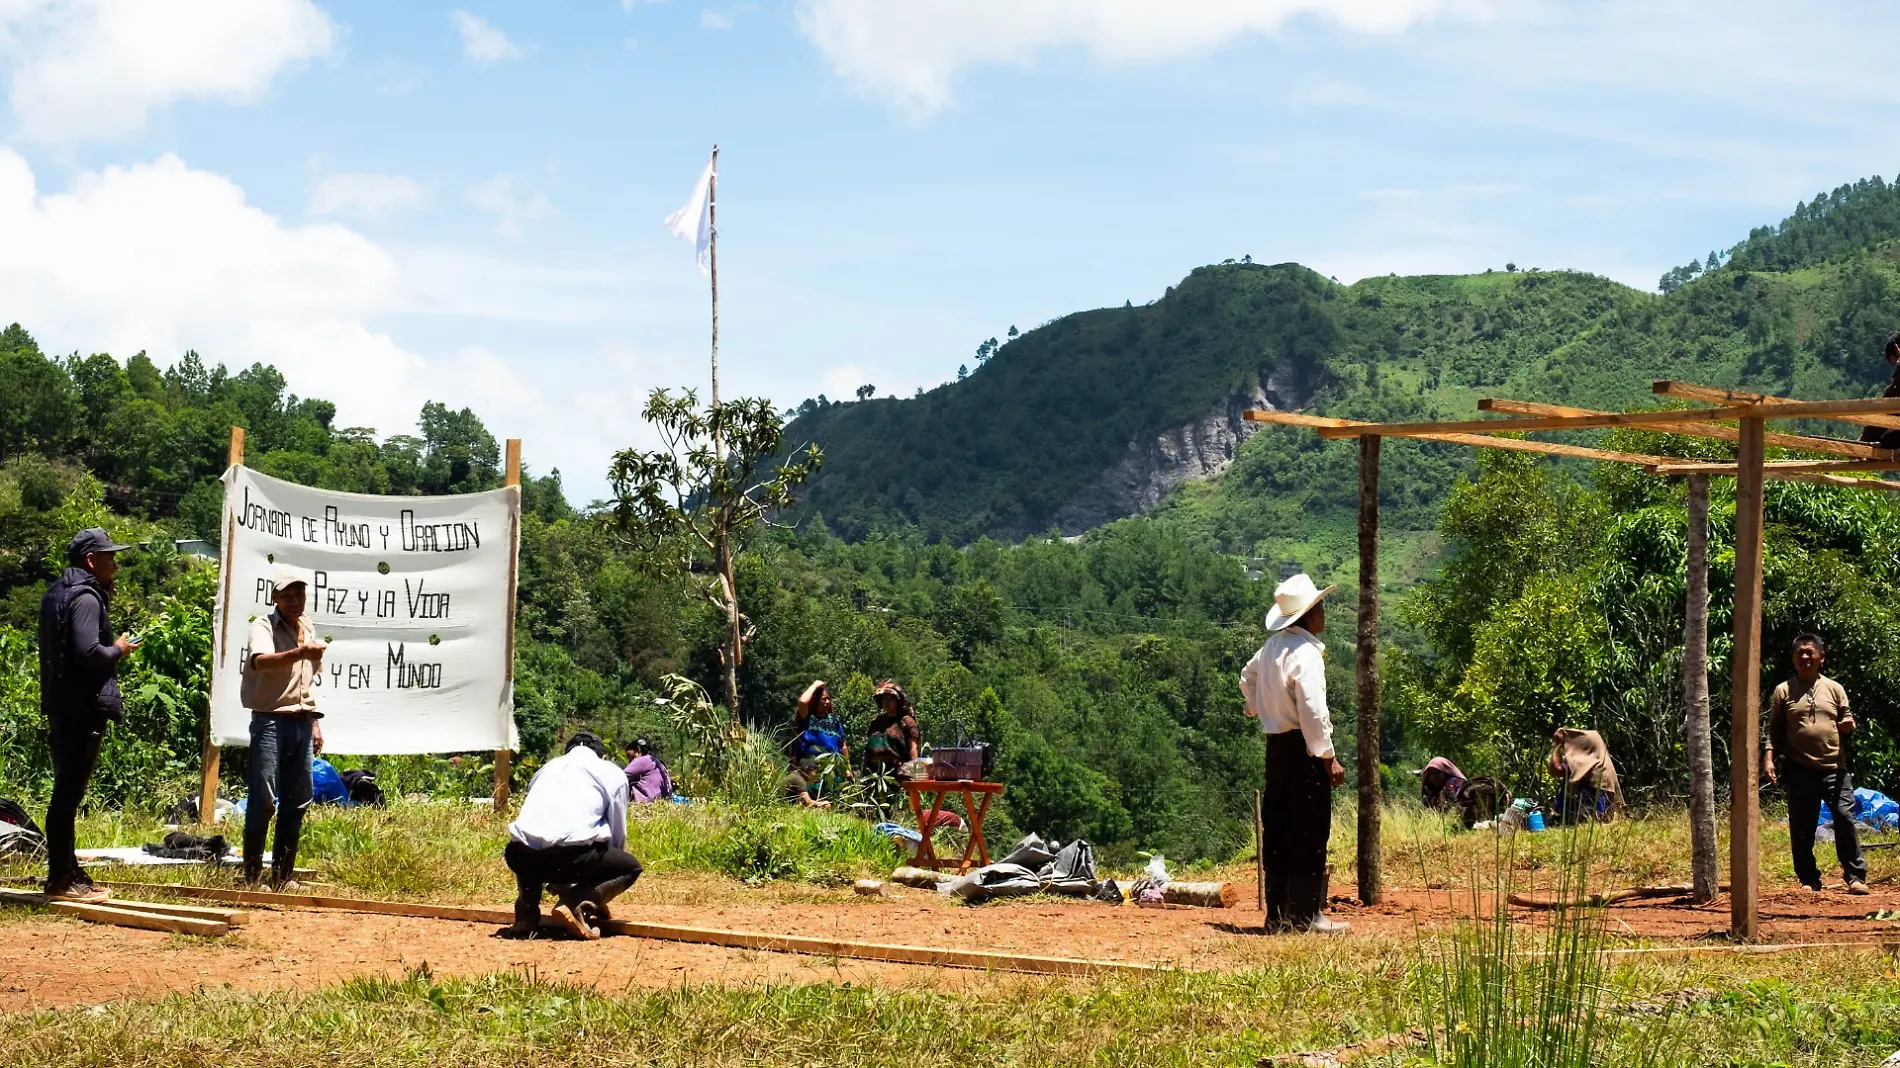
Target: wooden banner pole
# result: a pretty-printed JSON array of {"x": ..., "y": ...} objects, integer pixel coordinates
[
  {"x": 504, "y": 758},
  {"x": 213, "y": 755}
]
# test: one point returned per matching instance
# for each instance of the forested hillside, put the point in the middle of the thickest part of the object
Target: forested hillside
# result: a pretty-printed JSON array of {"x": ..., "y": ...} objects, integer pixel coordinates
[
  {"x": 1800, "y": 307},
  {"x": 1105, "y": 671}
]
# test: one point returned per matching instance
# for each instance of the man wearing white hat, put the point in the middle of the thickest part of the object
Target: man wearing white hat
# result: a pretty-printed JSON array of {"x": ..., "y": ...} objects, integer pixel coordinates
[
  {"x": 282, "y": 663},
  {"x": 1285, "y": 688}
]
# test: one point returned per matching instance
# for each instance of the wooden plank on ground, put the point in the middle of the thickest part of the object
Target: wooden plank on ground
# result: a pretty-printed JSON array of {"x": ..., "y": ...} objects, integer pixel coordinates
[
  {"x": 823, "y": 947},
  {"x": 121, "y": 916},
  {"x": 895, "y": 954},
  {"x": 231, "y": 917},
  {"x": 343, "y": 904}
]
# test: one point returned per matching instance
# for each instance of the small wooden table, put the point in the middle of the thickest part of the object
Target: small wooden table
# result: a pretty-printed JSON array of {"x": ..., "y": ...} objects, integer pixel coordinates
[{"x": 976, "y": 802}]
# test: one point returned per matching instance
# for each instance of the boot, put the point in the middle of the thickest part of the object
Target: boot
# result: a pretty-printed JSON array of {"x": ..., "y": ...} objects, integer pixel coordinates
[
  {"x": 1276, "y": 921},
  {"x": 1306, "y": 905},
  {"x": 606, "y": 892}
]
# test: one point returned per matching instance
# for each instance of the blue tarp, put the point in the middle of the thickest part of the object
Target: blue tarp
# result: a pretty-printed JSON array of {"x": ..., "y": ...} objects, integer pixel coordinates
[
  {"x": 1872, "y": 808},
  {"x": 326, "y": 783}
]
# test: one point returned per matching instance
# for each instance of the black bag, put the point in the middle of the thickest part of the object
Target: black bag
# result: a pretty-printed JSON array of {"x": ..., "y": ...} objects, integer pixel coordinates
[{"x": 363, "y": 789}]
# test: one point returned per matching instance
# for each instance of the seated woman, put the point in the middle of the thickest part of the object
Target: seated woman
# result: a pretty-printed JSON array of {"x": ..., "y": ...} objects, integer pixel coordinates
[
  {"x": 893, "y": 737},
  {"x": 1590, "y": 788},
  {"x": 795, "y": 787},
  {"x": 648, "y": 779},
  {"x": 1440, "y": 783},
  {"x": 816, "y": 730}
]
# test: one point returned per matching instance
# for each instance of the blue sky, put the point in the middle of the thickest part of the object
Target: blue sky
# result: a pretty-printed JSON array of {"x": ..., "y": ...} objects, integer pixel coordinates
[{"x": 397, "y": 203}]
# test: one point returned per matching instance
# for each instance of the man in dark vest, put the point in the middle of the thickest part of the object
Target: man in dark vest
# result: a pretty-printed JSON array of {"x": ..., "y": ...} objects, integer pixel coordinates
[
  {"x": 1885, "y": 437},
  {"x": 79, "y": 694}
]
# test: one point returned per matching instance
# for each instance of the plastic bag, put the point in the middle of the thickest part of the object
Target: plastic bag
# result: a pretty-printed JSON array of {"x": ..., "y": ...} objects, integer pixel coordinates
[{"x": 1156, "y": 873}]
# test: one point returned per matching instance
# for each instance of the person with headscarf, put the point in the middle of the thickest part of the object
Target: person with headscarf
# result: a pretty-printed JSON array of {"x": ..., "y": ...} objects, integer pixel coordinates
[
  {"x": 1581, "y": 762},
  {"x": 1440, "y": 783},
  {"x": 1285, "y": 689},
  {"x": 893, "y": 738}
]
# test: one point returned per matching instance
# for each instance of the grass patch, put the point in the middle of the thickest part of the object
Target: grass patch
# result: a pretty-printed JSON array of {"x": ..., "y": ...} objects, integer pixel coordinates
[
  {"x": 443, "y": 852},
  {"x": 1825, "y": 1012}
]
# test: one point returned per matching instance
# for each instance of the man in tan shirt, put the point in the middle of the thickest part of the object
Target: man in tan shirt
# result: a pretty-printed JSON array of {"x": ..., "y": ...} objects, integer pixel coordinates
[
  {"x": 281, "y": 662},
  {"x": 1808, "y": 720}
]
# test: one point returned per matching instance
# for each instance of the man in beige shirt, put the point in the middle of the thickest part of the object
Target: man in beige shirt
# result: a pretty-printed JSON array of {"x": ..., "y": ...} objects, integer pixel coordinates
[
  {"x": 1808, "y": 719},
  {"x": 281, "y": 664}
]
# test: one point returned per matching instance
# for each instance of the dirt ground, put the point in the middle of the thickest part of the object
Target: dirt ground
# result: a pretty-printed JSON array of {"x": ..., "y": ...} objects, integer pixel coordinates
[{"x": 48, "y": 961}]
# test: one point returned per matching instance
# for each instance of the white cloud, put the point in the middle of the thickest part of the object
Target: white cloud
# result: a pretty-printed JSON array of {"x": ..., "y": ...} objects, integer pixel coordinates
[
  {"x": 161, "y": 257},
  {"x": 85, "y": 69},
  {"x": 715, "y": 20},
  {"x": 366, "y": 196},
  {"x": 912, "y": 51},
  {"x": 510, "y": 205},
  {"x": 481, "y": 41}
]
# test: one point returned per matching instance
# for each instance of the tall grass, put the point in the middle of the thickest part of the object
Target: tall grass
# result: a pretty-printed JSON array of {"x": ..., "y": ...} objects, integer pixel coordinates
[{"x": 1504, "y": 991}]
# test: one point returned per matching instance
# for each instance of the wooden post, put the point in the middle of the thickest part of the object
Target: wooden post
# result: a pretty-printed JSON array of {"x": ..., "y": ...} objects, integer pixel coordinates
[
  {"x": 1367, "y": 669},
  {"x": 504, "y": 758},
  {"x": 1705, "y": 864},
  {"x": 213, "y": 755},
  {"x": 1744, "y": 840}
]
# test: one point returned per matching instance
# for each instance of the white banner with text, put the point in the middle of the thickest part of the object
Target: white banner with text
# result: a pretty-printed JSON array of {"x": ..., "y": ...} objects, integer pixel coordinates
[{"x": 413, "y": 595}]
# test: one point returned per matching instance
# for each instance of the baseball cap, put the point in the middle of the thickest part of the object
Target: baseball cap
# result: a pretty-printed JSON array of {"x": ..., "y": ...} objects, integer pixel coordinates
[
  {"x": 282, "y": 575},
  {"x": 91, "y": 540}
]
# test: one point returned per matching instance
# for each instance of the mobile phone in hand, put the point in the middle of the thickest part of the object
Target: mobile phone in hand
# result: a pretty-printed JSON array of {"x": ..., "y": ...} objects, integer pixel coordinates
[{"x": 133, "y": 640}]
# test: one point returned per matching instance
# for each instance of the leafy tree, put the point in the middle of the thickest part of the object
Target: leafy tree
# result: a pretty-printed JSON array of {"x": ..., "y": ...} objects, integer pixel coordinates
[
  {"x": 459, "y": 455},
  {"x": 866, "y": 392},
  {"x": 702, "y": 494},
  {"x": 39, "y": 409}
]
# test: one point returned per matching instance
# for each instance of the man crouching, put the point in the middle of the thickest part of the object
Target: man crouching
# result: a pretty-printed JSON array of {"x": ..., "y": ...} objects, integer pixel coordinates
[{"x": 571, "y": 838}]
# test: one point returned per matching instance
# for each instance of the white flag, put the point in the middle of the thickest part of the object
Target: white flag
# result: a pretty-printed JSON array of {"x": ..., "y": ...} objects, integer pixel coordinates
[{"x": 694, "y": 220}]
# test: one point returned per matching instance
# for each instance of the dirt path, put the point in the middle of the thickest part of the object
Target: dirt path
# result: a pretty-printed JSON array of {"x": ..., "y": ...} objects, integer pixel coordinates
[{"x": 48, "y": 961}]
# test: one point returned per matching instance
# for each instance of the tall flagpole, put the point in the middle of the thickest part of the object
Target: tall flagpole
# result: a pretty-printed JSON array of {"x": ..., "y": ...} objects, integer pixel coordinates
[
  {"x": 712, "y": 242},
  {"x": 721, "y": 529}
]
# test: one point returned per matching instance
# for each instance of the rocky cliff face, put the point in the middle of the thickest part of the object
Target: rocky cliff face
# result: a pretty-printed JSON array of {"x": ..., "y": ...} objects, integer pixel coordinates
[{"x": 1151, "y": 468}]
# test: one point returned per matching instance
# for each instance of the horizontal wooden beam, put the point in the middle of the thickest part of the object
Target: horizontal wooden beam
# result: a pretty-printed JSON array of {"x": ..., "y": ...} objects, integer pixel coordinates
[
  {"x": 1512, "y": 426},
  {"x": 1718, "y": 395},
  {"x": 1878, "y": 485},
  {"x": 1711, "y": 431},
  {"x": 1719, "y": 468},
  {"x": 1548, "y": 448}
]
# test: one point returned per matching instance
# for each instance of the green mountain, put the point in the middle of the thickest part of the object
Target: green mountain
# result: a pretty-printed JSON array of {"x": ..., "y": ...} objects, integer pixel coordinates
[{"x": 1115, "y": 412}]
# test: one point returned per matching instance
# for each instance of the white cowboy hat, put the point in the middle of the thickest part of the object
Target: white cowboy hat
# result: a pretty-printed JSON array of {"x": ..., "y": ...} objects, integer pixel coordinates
[{"x": 1295, "y": 597}]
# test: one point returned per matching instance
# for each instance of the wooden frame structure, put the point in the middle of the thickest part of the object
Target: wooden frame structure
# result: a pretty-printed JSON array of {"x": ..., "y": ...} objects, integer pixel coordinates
[{"x": 1730, "y": 415}]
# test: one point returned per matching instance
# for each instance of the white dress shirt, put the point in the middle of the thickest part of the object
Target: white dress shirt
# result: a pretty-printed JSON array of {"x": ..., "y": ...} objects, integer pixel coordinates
[
  {"x": 575, "y": 799},
  {"x": 1285, "y": 688}
]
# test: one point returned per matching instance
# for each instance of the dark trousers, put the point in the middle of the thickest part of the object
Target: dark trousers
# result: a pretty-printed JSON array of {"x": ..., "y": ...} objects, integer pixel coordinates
[
  {"x": 595, "y": 872},
  {"x": 1296, "y": 803},
  {"x": 1809, "y": 789},
  {"x": 279, "y": 783},
  {"x": 75, "y": 754}
]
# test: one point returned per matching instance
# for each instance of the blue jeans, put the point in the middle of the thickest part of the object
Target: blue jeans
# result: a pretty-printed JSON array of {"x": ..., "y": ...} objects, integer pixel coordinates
[{"x": 279, "y": 784}]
